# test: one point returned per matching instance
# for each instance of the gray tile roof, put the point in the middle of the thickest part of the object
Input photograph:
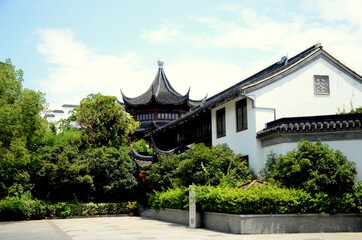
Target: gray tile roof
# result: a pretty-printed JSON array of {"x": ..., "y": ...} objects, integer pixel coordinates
[
  {"x": 160, "y": 92},
  {"x": 260, "y": 79},
  {"x": 313, "y": 124}
]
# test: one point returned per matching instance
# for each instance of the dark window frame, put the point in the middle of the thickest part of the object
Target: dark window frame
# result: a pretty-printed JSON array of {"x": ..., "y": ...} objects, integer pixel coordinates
[
  {"x": 220, "y": 123},
  {"x": 241, "y": 111}
]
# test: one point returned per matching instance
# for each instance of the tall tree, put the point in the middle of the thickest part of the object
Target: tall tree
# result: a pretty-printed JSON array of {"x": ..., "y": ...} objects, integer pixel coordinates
[
  {"x": 103, "y": 120},
  {"x": 22, "y": 129}
]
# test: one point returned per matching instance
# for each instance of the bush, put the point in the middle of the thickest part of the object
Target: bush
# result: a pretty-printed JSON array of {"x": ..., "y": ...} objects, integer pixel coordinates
[
  {"x": 263, "y": 199},
  {"x": 14, "y": 208},
  {"x": 64, "y": 209},
  {"x": 199, "y": 165},
  {"x": 113, "y": 172},
  {"x": 313, "y": 167},
  {"x": 172, "y": 198}
]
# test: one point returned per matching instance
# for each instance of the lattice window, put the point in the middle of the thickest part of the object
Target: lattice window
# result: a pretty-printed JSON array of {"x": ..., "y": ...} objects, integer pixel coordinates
[{"x": 321, "y": 85}]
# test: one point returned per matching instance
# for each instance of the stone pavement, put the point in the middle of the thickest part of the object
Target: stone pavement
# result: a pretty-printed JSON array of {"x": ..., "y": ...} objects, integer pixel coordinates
[{"x": 135, "y": 228}]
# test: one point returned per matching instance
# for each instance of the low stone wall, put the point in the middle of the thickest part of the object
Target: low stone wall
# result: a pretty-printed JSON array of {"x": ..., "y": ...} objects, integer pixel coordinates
[
  {"x": 171, "y": 215},
  {"x": 264, "y": 224}
]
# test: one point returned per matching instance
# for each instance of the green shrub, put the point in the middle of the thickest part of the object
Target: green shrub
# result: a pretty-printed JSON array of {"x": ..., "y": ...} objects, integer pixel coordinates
[
  {"x": 263, "y": 199},
  {"x": 199, "y": 165},
  {"x": 172, "y": 198},
  {"x": 15, "y": 208},
  {"x": 313, "y": 167},
  {"x": 64, "y": 209}
]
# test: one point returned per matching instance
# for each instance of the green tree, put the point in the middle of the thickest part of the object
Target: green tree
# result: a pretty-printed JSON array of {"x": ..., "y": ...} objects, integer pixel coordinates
[
  {"x": 104, "y": 121},
  {"x": 57, "y": 175},
  {"x": 22, "y": 129},
  {"x": 113, "y": 172},
  {"x": 314, "y": 167},
  {"x": 63, "y": 181},
  {"x": 200, "y": 165}
]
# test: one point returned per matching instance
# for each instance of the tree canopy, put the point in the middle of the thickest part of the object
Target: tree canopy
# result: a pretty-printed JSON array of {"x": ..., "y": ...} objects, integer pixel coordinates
[
  {"x": 200, "y": 165},
  {"x": 22, "y": 129},
  {"x": 103, "y": 120}
]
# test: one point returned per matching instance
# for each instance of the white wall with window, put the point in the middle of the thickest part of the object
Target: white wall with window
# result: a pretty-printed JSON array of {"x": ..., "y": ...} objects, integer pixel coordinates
[
  {"x": 243, "y": 140},
  {"x": 320, "y": 87}
]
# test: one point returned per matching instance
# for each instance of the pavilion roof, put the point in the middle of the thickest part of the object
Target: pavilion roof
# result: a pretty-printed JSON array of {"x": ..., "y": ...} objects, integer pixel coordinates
[{"x": 160, "y": 92}]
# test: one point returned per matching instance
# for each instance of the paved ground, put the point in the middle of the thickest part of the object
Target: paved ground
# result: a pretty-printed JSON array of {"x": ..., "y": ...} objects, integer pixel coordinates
[{"x": 135, "y": 228}]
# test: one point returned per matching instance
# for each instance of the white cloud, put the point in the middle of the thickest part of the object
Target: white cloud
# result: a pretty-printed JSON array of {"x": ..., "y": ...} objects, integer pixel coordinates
[
  {"x": 336, "y": 24},
  {"x": 342, "y": 10},
  {"x": 202, "y": 76},
  {"x": 166, "y": 33},
  {"x": 77, "y": 70}
]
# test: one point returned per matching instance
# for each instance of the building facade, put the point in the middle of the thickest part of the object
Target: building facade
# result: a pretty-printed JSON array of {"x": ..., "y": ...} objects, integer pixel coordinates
[{"x": 311, "y": 83}]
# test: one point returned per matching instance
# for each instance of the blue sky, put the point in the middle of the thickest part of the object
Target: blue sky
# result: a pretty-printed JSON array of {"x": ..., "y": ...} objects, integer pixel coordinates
[{"x": 70, "y": 48}]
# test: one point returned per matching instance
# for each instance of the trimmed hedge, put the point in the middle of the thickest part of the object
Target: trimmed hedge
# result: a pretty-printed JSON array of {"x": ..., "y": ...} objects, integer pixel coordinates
[
  {"x": 24, "y": 209},
  {"x": 63, "y": 209},
  {"x": 172, "y": 198},
  {"x": 263, "y": 199}
]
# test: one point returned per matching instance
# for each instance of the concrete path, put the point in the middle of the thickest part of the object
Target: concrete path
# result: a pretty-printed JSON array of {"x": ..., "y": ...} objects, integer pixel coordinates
[{"x": 135, "y": 228}]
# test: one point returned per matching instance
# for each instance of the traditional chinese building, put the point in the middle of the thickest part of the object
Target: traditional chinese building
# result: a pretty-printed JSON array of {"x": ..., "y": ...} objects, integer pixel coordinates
[
  {"x": 294, "y": 99},
  {"x": 159, "y": 105}
]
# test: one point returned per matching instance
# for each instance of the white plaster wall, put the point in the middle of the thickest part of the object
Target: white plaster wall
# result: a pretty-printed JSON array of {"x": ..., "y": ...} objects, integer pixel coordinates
[
  {"x": 350, "y": 148},
  {"x": 291, "y": 96},
  {"x": 243, "y": 142},
  {"x": 294, "y": 94}
]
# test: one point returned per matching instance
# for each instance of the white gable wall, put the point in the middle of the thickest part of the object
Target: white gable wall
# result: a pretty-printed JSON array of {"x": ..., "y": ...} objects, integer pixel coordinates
[{"x": 291, "y": 96}]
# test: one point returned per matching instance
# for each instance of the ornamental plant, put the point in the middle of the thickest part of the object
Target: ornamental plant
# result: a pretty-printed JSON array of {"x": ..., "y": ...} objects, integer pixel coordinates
[
  {"x": 313, "y": 167},
  {"x": 199, "y": 165}
]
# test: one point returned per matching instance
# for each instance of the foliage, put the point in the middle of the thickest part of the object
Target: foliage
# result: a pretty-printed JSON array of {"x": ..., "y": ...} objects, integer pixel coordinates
[
  {"x": 26, "y": 208},
  {"x": 141, "y": 146},
  {"x": 113, "y": 173},
  {"x": 66, "y": 209},
  {"x": 130, "y": 206},
  {"x": 269, "y": 167},
  {"x": 103, "y": 120},
  {"x": 351, "y": 111},
  {"x": 20, "y": 205},
  {"x": 200, "y": 165},
  {"x": 172, "y": 198},
  {"x": 263, "y": 199},
  {"x": 82, "y": 162},
  {"x": 63, "y": 181},
  {"x": 162, "y": 174},
  {"x": 22, "y": 129},
  {"x": 314, "y": 167},
  {"x": 90, "y": 209}
]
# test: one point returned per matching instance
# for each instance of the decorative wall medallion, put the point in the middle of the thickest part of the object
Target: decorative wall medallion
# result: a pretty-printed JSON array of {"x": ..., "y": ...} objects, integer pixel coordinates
[{"x": 321, "y": 85}]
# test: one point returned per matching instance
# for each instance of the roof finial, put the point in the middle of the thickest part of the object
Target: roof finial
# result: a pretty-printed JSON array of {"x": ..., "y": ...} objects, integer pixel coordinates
[{"x": 160, "y": 62}]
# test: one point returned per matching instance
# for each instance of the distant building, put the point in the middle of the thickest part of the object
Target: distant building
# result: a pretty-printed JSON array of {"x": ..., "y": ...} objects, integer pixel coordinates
[{"x": 59, "y": 112}]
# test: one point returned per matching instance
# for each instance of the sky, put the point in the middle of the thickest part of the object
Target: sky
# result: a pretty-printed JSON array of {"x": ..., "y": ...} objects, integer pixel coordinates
[{"x": 71, "y": 48}]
